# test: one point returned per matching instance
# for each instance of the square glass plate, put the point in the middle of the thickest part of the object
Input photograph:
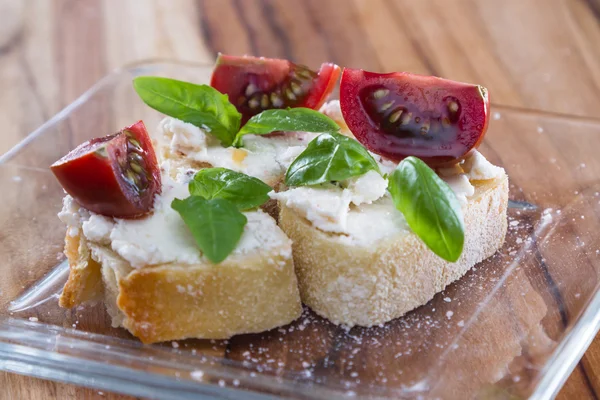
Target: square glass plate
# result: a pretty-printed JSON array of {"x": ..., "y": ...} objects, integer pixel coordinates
[{"x": 515, "y": 325}]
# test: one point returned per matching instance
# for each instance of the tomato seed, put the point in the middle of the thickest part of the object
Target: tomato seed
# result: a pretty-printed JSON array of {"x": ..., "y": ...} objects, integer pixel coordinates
[
  {"x": 304, "y": 73},
  {"x": 134, "y": 142},
  {"x": 289, "y": 94},
  {"x": 253, "y": 103},
  {"x": 380, "y": 93},
  {"x": 264, "y": 101},
  {"x": 406, "y": 118},
  {"x": 386, "y": 106},
  {"x": 296, "y": 88},
  {"x": 453, "y": 107},
  {"x": 136, "y": 167},
  {"x": 251, "y": 89},
  {"x": 276, "y": 100},
  {"x": 395, "y": 116}
]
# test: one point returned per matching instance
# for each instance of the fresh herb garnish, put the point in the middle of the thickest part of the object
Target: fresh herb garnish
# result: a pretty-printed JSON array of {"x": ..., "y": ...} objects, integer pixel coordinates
[
  {"x": 244, "y": 191},
  {"x": 429, "y": 206},
  {"x": 217, "y": 224},
  {"x": 330, "y": 157},
  {"x": 292, "y": 119},
  {"x": 213, "y": 210},
  {"x": 206, "y": 108},
  {"x": 200, "y": 105}
]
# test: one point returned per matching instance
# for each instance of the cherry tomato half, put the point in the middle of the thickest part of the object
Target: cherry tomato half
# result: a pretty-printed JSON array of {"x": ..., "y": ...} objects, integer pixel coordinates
[
  {"x": 116, "y": 176},
  {"x": 399, "y": 114},
  {"x": 257, "y": 84}
]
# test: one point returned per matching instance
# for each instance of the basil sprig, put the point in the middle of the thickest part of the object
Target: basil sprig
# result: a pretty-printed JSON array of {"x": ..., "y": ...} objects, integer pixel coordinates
[
  {"x": 429, "y": 206},
  {"x": 244, "y": 191},
  {"x": 330, "y": 157},
  {"x": 292, "y": 119},
  {"x": 206, "y": 108},
  {"x": 213, "y": 211},
  {"x": 200, "y": 105},
  {"x": 216, "y": 225}
]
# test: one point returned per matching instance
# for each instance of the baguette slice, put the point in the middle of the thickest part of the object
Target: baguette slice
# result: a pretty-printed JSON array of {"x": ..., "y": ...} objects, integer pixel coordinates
[
  {"x": 253, "y": 290},
  {"x": 171, "y": 301},
  {"x": 363, "y": 285}
]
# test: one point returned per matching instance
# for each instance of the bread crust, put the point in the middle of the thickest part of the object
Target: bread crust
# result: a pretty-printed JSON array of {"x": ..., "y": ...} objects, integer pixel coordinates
[
  {"x": 358, "y": 285},
  {"x": 173, "y": 301},
  {"x": 85, "y": 278}
]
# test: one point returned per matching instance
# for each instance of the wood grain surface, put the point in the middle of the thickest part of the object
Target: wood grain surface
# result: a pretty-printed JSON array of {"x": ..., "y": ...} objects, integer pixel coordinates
[{"x": 539, "y": 54}]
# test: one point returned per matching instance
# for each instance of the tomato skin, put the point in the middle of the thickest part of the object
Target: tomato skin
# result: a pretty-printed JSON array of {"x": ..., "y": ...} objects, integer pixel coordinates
[
  {"x": 438, "y": 120},
  {"x": 95, "y": 173},
  {"x": 256, "y": 84}
]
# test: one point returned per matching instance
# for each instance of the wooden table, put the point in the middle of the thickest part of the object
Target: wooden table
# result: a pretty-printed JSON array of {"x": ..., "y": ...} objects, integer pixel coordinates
[{"x": 541, "y": 54}]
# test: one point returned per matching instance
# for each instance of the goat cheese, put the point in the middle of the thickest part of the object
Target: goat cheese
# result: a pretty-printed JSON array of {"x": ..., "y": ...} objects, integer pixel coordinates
[
  {"x": 162, "y": 236},
  {"x": 265, "y": 158},
  {"x": 478, "y": 168}
]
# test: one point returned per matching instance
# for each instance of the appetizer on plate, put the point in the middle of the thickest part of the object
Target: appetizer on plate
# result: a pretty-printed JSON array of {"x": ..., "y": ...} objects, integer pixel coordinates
[{"x": 261, "y": 196}]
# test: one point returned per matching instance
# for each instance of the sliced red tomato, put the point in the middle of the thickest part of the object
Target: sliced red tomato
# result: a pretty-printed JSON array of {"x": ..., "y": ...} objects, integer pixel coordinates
[
  {"x": 257, "y": 84},
  {"x": 116, "y": 175},
  {"x": 399, "y": 114}
]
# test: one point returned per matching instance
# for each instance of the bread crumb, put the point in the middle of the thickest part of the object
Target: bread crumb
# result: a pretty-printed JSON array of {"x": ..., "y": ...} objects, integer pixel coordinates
[{"x": 197, "y": 375}]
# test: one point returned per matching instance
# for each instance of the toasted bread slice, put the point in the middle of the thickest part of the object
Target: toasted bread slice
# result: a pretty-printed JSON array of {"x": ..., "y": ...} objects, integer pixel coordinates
[
  {"x": 175, "y": 301},
  {"x": 183, "y": 298},
  {"x": 353, "y": 284}
]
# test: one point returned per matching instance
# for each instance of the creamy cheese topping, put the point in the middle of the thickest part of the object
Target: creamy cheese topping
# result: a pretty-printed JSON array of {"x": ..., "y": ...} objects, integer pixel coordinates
[
  {"x": 461, "y": 186},
  {"x": 327, "y": 206},
  {"x": 478, "y": 168},
  {"x": 162, "y": 237},
  {"x": 370, "y": 223},
  {"x": 361, "y": 207},
  {"x": 71, "y": 215},
  {"x": 366, "y": 188},
  {"x": 265, "y": 158}
]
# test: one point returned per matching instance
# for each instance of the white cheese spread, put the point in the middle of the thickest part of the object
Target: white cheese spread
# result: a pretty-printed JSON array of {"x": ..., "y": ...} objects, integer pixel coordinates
[
  {"x": 361, "y": 207},
  {"x": 366, "y": 188},
  {"x": 162, "y": 237},
  {"x": 478, "y": 168},
  {"x": 327, "y": 206},
  {"x": 265, "y": 158},
  {"x": 371, "y": 223},
  {"x": 461, "y": 186}
]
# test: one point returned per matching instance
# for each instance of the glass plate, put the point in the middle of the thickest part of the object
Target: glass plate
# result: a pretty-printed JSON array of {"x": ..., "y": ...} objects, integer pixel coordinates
[{"x": 515, "y": 325}]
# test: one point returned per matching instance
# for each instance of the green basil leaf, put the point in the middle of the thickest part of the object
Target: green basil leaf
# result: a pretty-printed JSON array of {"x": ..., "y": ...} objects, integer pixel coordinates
[
  {"x": 216, "y": 224},
  {"x": 429, "y": 206},
  {"x": 244, "y": 191},
  {"x": 293, "y": 120},
  {"x": 330, "y": 157},
  {"x": 200, "y": 105}
]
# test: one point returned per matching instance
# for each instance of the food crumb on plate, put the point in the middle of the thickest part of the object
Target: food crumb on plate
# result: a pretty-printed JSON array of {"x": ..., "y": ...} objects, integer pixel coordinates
[{"x": 197, "y": 375}]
